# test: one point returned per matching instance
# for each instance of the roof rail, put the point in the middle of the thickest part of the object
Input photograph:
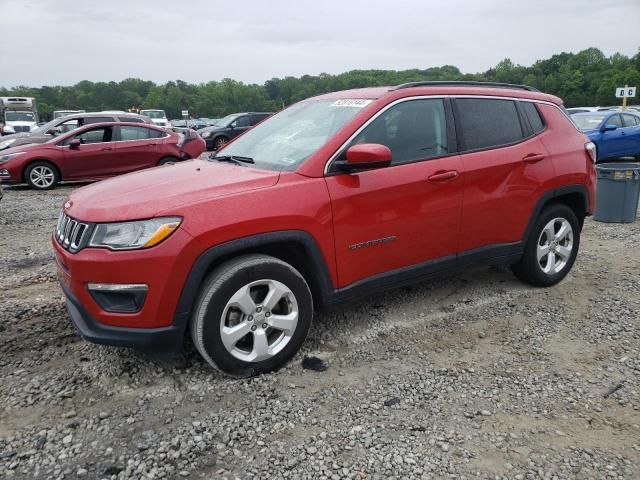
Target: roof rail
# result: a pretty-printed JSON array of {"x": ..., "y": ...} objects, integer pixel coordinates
[{"x": 465, "y": 83}]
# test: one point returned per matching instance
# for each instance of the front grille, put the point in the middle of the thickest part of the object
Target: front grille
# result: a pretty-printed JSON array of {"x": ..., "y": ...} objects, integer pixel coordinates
[
  {"x": 21, "y": 128},
  {"x": 71, "y": 234}
]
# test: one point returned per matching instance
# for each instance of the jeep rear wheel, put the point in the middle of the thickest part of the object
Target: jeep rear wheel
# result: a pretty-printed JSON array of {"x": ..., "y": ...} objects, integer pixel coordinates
[
  {"x": 551, "y": 248},
  {"x": 252, "y": 315}
]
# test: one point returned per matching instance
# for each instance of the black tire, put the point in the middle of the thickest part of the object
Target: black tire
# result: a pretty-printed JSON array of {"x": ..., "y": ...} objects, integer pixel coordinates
[
  {"x": 529, "y": 269},
  {"x": 220, "y": 286},
  {"x": 42, "y": 175},
  {"x": 220, "y": 142},
  {"x": 167, "y": 160}
]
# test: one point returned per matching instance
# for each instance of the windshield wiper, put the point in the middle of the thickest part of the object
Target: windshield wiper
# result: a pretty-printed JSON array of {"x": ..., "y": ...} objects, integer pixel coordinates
[{"x": 233, "y": 159}]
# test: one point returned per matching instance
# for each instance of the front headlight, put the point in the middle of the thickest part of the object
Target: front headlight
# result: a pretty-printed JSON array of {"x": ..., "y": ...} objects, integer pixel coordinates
[
  {"x": 205, "y": 134},
  {"x": 5, "y": 144},
  {"x": 10, "y": 156},
  {"x": 133, "y": 235}
]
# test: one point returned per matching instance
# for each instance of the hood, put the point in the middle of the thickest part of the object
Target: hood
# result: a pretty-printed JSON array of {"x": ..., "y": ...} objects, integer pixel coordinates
[
  {"x": 163, "y": 190},
  {"x": 24, "y": 146},
  {"x": 13, "y": 136}
]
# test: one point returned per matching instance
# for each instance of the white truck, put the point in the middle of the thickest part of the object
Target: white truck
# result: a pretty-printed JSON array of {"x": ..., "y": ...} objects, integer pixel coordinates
[
  {"x": 18, "y": 114},
  {"x": 158, "y": 117}
]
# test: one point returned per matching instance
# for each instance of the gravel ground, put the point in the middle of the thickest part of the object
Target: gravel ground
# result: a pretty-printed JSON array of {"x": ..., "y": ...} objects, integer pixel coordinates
[{"x": 472, "y": 376}]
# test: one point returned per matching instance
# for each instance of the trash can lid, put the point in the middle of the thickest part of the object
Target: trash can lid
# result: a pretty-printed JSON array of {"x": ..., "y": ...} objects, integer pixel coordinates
[{"x": 619, "y": 171}]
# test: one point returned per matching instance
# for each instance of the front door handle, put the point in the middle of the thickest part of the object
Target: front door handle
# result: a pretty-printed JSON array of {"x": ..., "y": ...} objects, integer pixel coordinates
[
  {"x": 151, "y": 144},
  {"x": 106, "y": 149},
  {"x": 443, "y": 176},
  {"x": 533, "y": 158}
]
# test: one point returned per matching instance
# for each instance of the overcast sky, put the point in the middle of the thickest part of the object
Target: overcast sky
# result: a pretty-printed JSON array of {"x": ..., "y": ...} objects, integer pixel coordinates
[{"x": 60, "y": 42}]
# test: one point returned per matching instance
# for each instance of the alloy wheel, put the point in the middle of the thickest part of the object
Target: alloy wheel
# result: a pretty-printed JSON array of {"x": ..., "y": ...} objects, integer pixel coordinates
[
  {"x": 42, "y": 176},
  {"x": 259, "y": 320},
  {"x": 555, "y": 245}
]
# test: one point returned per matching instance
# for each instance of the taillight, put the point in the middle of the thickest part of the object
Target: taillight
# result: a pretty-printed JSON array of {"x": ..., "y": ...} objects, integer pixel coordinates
[{"x": 590, "y": 147}]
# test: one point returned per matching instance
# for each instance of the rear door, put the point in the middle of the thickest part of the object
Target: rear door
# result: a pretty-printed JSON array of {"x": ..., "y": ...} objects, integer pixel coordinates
[
  {"x": 631, "y": 135},
  {"x": 137, "y": 147},
  {"x": 405, "y": 214},
  {"x": 92, "y": 159},
  {"x": 506, "y": 167}
]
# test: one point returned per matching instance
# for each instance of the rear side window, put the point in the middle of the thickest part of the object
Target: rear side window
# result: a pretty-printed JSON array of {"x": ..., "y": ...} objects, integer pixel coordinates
[
  {"x": 629, "y": 120},
  {"x": 488, "y": 123},
  {"x": 532, "y": 114},
  {"x": 257, "y": 119},
  {"x": 88, "y": 120},
  {"x": 137, "y": 133},
  {"x": 132, "y": 119},
  {"x": 242, "y": 121}
]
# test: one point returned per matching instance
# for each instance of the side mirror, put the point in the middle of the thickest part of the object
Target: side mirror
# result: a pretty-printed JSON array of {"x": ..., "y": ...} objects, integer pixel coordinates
[
  {"x": 366, "y": 156},
  {"x": 55, "y": 131},
  {"x": 75, "y": 143},
  {"x": 608, "y": 127}
]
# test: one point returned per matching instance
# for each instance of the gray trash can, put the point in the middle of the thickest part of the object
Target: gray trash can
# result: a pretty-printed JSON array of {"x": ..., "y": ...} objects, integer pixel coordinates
[{"x": 617, "y": 192}]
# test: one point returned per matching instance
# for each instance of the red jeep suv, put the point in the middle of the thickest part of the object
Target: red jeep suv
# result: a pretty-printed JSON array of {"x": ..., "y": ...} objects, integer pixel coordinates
[{"x": 338, "y": 196}]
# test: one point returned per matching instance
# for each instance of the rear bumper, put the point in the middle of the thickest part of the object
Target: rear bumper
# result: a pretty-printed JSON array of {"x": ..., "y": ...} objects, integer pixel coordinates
[{"x": 164, "y": 340}]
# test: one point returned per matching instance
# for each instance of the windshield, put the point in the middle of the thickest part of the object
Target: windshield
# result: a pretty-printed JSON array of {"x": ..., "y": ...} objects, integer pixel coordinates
[
  {"x": 287, "y": 139},
  {"x": 587, "y": 122},
  {"x": 19, "y": 117},
  {"x": 154, "y": 113},
  {"x": 46, "y": 127}
]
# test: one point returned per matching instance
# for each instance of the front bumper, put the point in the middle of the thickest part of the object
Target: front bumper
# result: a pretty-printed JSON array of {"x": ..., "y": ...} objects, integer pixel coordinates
[
  {"x": 165, "y": 340},
  {"x": 158, "y": 326}
]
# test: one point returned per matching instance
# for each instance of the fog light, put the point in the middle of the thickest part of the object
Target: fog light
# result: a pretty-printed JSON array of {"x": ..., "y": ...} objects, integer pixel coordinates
[
  {"x": 4, "y": 172},
  {"x": 119, "y": 297}
]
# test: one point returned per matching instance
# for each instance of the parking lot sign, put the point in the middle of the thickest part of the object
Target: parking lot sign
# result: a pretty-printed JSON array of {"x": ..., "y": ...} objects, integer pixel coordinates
[
  {"x": 185, "y": 113},
  {"x": 625, "y": 92}
]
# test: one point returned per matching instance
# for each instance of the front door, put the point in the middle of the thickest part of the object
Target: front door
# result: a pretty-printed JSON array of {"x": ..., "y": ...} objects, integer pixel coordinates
[
  {"x": 405, "y": 214},
  {"x": 91, "y": 159}
]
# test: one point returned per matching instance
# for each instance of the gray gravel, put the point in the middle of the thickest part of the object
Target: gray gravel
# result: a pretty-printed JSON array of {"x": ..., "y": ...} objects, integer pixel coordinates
[{"x": 471, "y": 376}]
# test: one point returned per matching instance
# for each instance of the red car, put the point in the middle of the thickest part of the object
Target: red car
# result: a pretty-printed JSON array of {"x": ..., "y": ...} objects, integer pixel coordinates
[
  {"x": 94, "y": 152},
  {"x": 337, "y": 197}
]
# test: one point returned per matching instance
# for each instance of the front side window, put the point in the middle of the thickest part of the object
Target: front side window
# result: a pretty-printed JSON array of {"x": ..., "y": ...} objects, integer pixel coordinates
[
  {"x": 413, "y": 130},
  {"x": 95, "y": 135},
  {"x": 69, "y": 125},
  {"x": 614, "y": 120},
  {"x": 242, "y": 122},
  {"x": 488, "y": 122}
]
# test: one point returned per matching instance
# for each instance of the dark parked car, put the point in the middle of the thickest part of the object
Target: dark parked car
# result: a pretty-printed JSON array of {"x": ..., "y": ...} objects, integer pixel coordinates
[
  {"x": 230, "y": 127},
  {"x": 615, "y": 134},
  {"x": 65, "y": 124},
  {"x": 96, "y": 151}
]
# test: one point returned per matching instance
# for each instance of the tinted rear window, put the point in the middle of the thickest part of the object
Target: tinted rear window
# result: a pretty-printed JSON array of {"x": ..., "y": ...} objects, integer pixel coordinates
[
  {"x": 488, "y": 123},
  {"x": 532, "y": 114}
]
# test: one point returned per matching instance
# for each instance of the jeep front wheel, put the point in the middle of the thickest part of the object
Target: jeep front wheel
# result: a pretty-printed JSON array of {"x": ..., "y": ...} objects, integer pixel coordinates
[{"x": 252, "y": 315}]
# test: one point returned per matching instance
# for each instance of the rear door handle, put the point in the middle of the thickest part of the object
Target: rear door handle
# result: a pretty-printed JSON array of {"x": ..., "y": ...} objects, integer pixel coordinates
[
  {"x": 443, "y": 176},
  {"x": 151, "y": 144},
  {"x": 106, "y": 149},
  {"x": 533, "y": 158}
]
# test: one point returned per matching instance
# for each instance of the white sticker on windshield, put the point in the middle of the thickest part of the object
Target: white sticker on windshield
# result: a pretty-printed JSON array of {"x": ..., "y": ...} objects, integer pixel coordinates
[{"x": 351, "y": 102}]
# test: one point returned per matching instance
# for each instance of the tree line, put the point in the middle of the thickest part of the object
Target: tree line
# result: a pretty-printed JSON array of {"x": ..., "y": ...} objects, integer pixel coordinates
[{"x": 584, "y": 78}]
